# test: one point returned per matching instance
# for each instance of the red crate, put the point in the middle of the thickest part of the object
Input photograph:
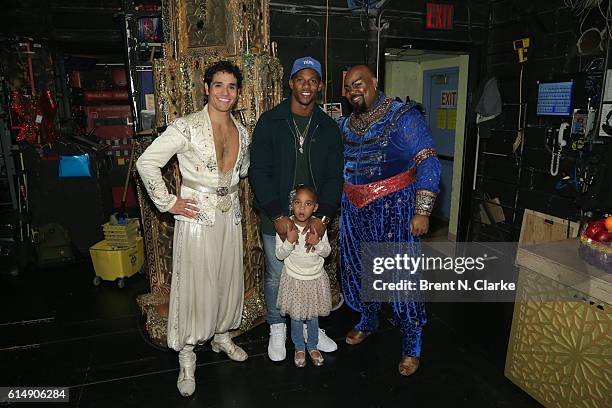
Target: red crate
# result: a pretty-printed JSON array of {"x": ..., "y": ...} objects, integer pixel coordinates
[
  {"x": 106, "y": 111},
  {"x": 114, "y": 95},
  {"x": 119, "y": 77},
  {"x": 89, "y": 80},
  {"x": 110, "y": 121},
  {"x": 114, "y": 132}
]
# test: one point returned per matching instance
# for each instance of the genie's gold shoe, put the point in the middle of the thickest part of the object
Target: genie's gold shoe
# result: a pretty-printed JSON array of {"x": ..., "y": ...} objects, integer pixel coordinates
[
  {"x": 408, "y": 365},
  {"x": 356, "y": 336}
]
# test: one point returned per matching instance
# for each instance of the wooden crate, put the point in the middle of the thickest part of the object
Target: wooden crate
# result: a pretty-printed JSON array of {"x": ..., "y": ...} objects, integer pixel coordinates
[{"x": 539, "y": 227}]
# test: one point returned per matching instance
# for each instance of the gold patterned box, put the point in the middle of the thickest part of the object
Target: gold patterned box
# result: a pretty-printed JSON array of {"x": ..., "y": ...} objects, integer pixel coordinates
[{"x": 560, "y": 351}]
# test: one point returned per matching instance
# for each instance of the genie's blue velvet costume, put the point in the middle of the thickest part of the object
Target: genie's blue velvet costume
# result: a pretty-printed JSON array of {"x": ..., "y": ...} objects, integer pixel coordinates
[{"x": 389, "y": 139}]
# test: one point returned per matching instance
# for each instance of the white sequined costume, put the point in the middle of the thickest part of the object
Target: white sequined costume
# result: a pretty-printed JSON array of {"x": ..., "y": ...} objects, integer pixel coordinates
[{"x": 207, "y": 291}]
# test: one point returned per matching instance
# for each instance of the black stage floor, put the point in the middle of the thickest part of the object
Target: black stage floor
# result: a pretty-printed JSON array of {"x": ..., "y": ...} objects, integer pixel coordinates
[{"x": 57, "y": 329}]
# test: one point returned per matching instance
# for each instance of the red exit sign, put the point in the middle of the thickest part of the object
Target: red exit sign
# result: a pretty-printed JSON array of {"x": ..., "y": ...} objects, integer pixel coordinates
[{"x": 439, "y": 16}]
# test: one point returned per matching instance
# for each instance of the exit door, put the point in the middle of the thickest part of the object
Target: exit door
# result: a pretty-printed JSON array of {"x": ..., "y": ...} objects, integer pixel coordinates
[{"x": 440, "y": 102}]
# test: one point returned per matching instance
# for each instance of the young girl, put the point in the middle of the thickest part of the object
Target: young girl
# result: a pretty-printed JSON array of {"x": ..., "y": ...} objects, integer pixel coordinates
[{"x": 304, "y": 292}]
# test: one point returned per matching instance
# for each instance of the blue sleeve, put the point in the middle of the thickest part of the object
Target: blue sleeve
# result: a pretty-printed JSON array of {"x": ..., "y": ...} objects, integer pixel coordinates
[{"x": 421, "y": 149}]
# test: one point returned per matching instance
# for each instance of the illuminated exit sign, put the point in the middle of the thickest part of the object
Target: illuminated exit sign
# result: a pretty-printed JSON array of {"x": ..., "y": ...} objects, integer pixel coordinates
[{"x": 439, "y": 16}]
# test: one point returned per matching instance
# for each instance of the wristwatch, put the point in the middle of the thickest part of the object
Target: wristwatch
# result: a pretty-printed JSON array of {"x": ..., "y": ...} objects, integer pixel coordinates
[{"x": 325, "y": 219}]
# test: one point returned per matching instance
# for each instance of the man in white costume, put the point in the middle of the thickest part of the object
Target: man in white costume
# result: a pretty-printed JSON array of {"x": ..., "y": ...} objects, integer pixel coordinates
[{"x": 207, "y": 291}]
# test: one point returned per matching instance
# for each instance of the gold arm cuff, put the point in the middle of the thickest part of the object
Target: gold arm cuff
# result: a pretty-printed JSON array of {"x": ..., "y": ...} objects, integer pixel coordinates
[{"x": 424, "y": 202}]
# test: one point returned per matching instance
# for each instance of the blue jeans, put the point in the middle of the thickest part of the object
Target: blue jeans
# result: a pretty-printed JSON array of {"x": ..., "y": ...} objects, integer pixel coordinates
[
  {"x": 272, "y": 275},
  {"x": 297, "y": 334}
]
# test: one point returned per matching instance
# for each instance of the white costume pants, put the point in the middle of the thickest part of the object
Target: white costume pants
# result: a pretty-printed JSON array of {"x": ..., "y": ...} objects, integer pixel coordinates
[{"x": 207, "y": 292}]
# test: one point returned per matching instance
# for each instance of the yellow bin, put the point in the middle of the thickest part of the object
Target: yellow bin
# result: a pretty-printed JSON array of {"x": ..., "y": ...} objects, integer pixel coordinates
[{"x": 111, "y": 263}]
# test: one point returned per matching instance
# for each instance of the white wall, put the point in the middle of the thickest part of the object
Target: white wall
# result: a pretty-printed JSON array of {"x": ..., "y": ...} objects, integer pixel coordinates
[{"x": 406, "y": 78}]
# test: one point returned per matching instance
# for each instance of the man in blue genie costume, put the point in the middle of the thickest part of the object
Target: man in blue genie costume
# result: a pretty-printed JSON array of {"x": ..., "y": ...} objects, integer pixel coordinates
[{"x": 391, "y": 178}]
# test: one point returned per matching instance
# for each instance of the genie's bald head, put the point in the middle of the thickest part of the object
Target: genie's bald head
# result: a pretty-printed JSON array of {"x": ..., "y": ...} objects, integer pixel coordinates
[{"x": 360, "y": 85}]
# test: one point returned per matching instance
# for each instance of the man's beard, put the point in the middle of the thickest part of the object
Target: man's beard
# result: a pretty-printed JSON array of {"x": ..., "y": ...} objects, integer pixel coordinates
[{"x": 360, "y": 108}]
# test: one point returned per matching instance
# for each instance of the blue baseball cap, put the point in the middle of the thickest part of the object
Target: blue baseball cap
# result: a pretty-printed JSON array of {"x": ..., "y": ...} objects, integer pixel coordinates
[{"x": 306, "y": 62}]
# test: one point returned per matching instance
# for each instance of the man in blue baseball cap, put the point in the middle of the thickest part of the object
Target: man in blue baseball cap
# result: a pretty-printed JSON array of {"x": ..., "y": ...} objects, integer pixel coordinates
[
  {"x": 306, "y": 63},
  {"x": 294, "y": 143}
]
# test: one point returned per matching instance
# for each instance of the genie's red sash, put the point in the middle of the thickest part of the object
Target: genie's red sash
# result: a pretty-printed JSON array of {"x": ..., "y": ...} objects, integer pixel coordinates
[{"x": 361, "y": 195}]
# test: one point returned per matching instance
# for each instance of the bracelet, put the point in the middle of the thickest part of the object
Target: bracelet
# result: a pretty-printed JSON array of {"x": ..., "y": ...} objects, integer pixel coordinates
[
  {"x": 325, "y": 219},
  {"x": 424, "y": 202}
]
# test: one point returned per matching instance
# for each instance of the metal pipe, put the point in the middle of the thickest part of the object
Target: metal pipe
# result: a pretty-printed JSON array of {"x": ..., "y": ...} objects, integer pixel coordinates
[
  {"x": 129, "y": 51},
  {"x": 30, "y": 70},
  {"x": 605, "y": 79},
  {"x": 404, "y": 16},
  {"x": 379, "y": 29},
  {"x": 290, "y": 6}
]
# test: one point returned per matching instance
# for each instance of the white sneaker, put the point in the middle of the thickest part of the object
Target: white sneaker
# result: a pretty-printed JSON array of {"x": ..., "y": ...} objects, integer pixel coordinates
[
  {"x": 276, "y": 344},
  {"x": 326, "y": 344}
]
